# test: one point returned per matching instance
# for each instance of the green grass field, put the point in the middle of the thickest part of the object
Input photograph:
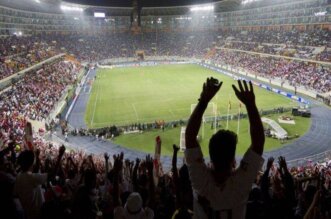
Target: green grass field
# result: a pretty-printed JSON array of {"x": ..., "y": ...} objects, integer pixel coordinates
[
  {"x": 122, "y": 96},
  {"x": 145, "y": 142}
]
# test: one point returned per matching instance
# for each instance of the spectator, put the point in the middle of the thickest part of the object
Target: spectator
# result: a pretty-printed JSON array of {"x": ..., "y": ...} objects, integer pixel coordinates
[
  {"x": 224, "y": 189},
  {"x": 28, "y": 185}
]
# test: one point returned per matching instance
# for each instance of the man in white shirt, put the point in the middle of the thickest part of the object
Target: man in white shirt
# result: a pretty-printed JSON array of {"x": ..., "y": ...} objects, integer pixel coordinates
[{"x": 223, "y": 189}]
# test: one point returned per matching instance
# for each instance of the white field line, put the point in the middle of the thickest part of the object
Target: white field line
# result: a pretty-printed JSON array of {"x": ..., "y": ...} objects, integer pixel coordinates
[
  {"x": 135, "y": 111},
  {"x": 172, "y": 113},
  {"x": 90, "y": 89},
  {"x": 95, "y": 105}
]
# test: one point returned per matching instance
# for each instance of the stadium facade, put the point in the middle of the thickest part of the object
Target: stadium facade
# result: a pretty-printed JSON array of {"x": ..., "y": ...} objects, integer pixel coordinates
[{"x": 53, "y": 16}]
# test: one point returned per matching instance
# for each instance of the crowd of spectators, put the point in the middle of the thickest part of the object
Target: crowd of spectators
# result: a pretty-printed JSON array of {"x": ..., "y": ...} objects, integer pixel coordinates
[
  {"x": 297, "y": 73},
  {"x": 48, "y": 181},
  {"x": 18, "y": 53},
  {"x": 34, "y": 96},
  {"x": 54, "y": 182}
]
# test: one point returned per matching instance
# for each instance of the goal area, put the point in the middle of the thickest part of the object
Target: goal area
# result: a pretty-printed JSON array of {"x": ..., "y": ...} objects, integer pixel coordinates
[{"x": 210, "y": 115}]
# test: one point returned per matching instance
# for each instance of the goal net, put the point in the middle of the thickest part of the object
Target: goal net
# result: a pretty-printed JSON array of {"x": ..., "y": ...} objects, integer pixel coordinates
[{"x": 209, "y": 116}]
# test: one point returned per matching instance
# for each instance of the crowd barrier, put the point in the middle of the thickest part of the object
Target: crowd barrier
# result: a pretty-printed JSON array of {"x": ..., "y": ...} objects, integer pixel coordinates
[{"x": 310, "y": 160}]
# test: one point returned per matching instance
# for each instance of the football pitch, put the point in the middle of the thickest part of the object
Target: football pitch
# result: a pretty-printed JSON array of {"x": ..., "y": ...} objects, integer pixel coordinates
[{"x": 124, "y": 96}]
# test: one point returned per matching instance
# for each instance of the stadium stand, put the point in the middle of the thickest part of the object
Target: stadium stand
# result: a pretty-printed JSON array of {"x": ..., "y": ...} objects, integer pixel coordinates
[{"x": 282, "y": 40}]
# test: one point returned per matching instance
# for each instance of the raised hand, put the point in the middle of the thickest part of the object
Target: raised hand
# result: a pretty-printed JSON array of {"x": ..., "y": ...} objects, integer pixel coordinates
[
  {"x": 282, "y": 163},
  {"x": 62, "y": 149},
  {"x": 270, "y": 162},
  {"x": 245, "y": 94},
  {"x": 209, "y": 89},
  {"x": 106, "y": 156},
  {"x": 149, "y": 163},
  {"x": 127, "y": 163},
  {"x": 118, "y": 163},
  {"x": 175, "y": 148}
]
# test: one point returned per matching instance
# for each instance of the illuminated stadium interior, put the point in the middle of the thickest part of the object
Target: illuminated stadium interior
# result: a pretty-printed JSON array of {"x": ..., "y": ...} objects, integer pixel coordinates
[{"x": 101, "y": 78}]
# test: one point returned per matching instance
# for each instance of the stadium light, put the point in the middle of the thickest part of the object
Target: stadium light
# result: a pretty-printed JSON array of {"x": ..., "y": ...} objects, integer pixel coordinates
[
  {"x": 202, "y": 8},
  {"x": 19, "y": 33},
  {"x": 244, "y": 2},
  {"x": 99, "y": 14},
  {"x": 71, "y": 8},
  {"x": 37, "y": 1},
  {"x": 321, "y": 13},
  {"x": 183, "y": 18}
]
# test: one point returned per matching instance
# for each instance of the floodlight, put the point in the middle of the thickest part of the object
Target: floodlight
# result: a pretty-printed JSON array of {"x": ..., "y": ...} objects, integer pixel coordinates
[
  {"x": 99, "y": 14},
  {"x": 202, "y": 8},
  {"x": 37, "y": 1},
  {"x": 70, "y": 8},
  {"x": 321, "y": 13},
  {"x": 248, "y": 1}
]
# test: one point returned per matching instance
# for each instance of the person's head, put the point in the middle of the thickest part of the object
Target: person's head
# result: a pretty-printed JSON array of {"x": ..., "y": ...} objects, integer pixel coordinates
[
  {"x": 134, "y": 203},
  {"x": 26, "y": 160},
  {"x": 222, "y": 150},
  {"x": 90, "y": 178}
]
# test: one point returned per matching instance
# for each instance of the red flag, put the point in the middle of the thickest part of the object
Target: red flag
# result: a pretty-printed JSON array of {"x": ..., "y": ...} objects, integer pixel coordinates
[
  {"x": 28, "y": 138},
  {"x": 3, "y": 139}
]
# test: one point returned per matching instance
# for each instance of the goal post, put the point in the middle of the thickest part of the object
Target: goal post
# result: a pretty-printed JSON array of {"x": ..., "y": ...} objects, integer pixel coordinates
[{"x": 210, "y": 115}]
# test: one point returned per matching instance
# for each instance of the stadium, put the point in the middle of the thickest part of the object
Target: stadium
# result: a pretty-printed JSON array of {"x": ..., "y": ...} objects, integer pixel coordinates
[{"x": 101, "y": 96}]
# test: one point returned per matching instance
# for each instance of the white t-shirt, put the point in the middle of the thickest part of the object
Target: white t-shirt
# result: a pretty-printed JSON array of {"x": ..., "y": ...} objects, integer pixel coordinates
[
  {"x": 122, "y": 213},
  {"x": 230, "y": 198},
  {"x": 28, "y": 190}
]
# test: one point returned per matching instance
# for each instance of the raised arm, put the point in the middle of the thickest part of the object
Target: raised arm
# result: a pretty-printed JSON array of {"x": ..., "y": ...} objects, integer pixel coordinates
[
  {"x": 118, "y": 165},
  {"x": 247, "y": 97},
  {"x": 106, "y": 156},
  {"x": 209, "y": 89}
]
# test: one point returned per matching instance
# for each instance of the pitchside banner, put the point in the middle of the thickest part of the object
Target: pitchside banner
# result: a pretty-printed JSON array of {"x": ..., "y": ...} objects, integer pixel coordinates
[
  {"x": 149, "y": 63},
  {"x": 289, "y": 95}
]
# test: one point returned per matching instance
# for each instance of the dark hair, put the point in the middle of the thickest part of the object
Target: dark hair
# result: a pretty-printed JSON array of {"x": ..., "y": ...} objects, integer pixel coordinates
[
  {"x": 25, "y": 160},
  {"x": 90, "y": 178},
  {"x": 222, "y": 149}
]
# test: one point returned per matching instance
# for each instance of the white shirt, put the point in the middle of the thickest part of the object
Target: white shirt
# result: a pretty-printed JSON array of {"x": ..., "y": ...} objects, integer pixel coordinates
[
  {"x": 229, "y": 198},
  {"x": 28, "y": 190},
  {"x": 122, "y": 213}
]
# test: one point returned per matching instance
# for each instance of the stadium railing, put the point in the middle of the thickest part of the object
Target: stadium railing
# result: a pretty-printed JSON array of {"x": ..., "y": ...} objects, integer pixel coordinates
[{"x": 316, "y": 158}]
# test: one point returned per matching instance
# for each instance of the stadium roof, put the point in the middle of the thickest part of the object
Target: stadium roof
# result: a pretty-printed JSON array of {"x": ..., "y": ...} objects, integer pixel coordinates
[
  {"x": 143, "y": 3},
  {"x": 155, "y": 7},
  {"x": 121, "y": 7}
]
